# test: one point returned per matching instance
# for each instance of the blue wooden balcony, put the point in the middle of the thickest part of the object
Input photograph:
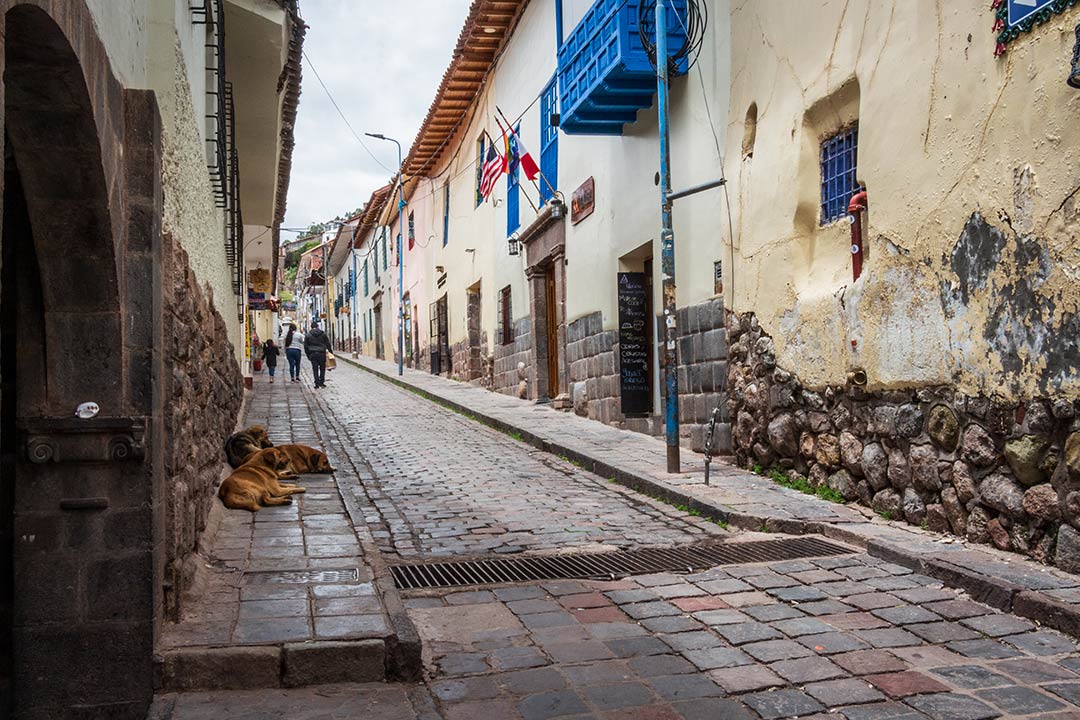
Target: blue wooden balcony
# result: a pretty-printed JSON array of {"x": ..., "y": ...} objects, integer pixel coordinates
[{"x": 604, "y": 74}]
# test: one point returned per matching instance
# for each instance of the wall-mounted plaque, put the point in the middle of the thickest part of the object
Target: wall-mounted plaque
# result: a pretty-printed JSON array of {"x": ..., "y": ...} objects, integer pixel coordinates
[{"x": 581, "y": 204}]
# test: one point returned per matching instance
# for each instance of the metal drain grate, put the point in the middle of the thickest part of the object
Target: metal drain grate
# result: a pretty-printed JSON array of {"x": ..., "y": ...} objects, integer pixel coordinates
[
  {"x": 303, "y": 577},
  {"x": 610, "y": 564}
]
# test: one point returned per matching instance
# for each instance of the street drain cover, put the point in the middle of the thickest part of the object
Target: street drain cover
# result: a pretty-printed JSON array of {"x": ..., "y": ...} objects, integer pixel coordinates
[
  {"x": 620, "y": 563},
  {"x": 303, "y": 577}
]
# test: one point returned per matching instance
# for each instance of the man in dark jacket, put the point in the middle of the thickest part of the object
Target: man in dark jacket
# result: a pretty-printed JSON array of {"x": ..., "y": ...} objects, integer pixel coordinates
[{"x": 316, "y": 345}]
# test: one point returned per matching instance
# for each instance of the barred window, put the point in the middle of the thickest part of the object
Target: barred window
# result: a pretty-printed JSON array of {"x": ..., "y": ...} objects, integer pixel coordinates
[
  {"x": 838, "y": 184},
  {"x": 506, "y": 317}
]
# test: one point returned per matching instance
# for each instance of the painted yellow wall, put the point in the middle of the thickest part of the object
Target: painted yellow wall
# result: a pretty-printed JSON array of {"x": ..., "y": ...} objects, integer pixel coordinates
[{"x": 945, "y": 130}]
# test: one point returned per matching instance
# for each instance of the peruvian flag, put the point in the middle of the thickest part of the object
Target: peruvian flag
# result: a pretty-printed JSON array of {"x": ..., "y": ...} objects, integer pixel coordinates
[{"x": 517, "y": 156}]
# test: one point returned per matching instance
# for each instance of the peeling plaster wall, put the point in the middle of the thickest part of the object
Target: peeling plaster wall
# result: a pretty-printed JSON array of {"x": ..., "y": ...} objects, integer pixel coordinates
[
  {"x": 189, "y": 212},
  {"x": 970, "y": 163}
]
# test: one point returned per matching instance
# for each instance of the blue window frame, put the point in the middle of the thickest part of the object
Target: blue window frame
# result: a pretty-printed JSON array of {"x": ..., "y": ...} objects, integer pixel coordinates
[
  {"x": 385, "y": 255},
  {"x": 513, "y": 193},
  {"x": 549, "y": 141},
  {"x": 838, "y": 172},
  {"x": 446, "y": 214},
  {"x": 366, "y": 289}
]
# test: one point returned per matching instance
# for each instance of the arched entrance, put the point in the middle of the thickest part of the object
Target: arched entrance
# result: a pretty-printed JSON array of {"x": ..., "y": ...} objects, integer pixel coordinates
[{"x": 77, "y": 585}]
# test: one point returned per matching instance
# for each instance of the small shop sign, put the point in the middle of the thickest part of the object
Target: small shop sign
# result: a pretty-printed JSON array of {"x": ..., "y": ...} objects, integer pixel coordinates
[{"x": 582, "y": 201}]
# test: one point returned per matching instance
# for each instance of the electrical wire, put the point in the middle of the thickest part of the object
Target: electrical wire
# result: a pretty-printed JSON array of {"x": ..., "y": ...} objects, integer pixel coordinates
[
  {"x": 339, "y": 112},
  {"x": 697, "y": 19}
]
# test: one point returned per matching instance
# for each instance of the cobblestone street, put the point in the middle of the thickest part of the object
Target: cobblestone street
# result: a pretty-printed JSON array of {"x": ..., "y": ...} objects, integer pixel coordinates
[
  {"x": 442, "y": 484},
  {"x": 850, "y": 636}
]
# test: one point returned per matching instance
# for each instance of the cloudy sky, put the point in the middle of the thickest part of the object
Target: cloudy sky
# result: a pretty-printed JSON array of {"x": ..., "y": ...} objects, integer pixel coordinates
[{"x": 382, "y": 62}]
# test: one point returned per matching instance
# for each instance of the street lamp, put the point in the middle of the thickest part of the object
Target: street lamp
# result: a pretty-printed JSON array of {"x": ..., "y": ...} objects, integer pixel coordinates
[{"x": 401, "y": 256}]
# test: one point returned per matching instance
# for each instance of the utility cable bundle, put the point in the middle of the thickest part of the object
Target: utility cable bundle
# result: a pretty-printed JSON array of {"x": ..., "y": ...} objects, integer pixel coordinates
[{"x": 693, "y": 23}]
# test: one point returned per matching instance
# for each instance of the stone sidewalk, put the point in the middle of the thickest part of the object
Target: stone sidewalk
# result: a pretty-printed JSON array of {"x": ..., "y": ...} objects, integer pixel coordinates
[
  {"x": 747, "y": 501},
  {"x": 289, "y": 595}
]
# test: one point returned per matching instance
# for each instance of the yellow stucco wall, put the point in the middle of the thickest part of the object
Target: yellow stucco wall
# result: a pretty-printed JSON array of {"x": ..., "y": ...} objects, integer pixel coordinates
[{"x": 946, "y": 130}]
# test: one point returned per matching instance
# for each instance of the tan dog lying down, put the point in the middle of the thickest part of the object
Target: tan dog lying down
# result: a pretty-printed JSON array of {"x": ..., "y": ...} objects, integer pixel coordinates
[
  {"x": 302, "y": 459},
  {"x": 257, "y": 482}
]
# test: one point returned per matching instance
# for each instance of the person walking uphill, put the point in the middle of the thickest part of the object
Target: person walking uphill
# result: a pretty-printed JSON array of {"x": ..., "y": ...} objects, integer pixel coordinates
[
  {"x": 316, "y": 345},
  {"x": 293, "y": 342},
  {"x": 270, "y": 355}
]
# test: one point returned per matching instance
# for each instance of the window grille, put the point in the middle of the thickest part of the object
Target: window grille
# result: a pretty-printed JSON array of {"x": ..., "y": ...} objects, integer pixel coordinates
[
  {"x": 480, "y": 149},
  {"x": 446, "y": 214},
  {"x": 506, "y": 317},
  {"x": 838, "y": 173}
]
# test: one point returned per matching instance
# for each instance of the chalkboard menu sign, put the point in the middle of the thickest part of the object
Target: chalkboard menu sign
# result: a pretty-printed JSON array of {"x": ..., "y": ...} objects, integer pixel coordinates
[{"x": 633, "y": 344}]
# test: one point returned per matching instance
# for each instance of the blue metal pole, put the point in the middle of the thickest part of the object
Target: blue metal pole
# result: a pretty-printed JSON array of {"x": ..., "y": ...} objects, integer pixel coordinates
[{"x": 667, "y": 246}]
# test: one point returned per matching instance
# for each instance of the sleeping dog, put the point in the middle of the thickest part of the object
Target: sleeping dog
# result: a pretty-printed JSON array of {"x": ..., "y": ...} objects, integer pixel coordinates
[
  {"x": 302, "y": 459},
  {"x": 257, "y": 482},
  {"x": 242, "y": 445}
]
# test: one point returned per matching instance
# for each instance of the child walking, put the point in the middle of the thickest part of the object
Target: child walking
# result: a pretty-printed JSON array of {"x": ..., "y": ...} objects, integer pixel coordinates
[{"x": 270, "y": 356}]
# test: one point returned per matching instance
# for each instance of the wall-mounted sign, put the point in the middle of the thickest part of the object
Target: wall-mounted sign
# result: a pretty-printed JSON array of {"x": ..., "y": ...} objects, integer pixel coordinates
[
  {"x": 1012, "y": 17},
  {"x": 582, "y": 201},
  {"x": 259, "y": 280},
  {"x": 633, "y": 345}
]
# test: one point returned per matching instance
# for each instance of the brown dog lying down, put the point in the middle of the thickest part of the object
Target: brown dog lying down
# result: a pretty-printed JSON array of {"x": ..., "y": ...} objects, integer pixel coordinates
[
  {"x": 242, "y": 445},
  {"x": 257, "y": 482},
  {"x": 304, "y": 459}
]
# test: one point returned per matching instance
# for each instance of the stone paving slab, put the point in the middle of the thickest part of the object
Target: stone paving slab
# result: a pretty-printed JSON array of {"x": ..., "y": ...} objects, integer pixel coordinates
[
  {"x": 748, "y": 501},
  {"x": 601, "y": 669},
  {"x": 332, "y": 630},
  {"x": 373, "y": 701}
]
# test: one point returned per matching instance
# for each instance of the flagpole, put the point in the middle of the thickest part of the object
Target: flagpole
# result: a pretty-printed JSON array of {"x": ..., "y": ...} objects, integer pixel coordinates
[
  {"x": 527, "y": 198},
  {"x": 541, "y": 172}
]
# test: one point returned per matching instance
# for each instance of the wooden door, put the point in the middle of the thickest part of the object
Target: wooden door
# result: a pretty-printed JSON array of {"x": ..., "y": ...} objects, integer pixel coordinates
[{"x": 551, "y": 322}]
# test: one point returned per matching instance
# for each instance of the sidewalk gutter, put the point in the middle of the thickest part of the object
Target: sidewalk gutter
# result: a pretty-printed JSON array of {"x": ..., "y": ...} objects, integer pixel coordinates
[{"x": 746, "y": 501}]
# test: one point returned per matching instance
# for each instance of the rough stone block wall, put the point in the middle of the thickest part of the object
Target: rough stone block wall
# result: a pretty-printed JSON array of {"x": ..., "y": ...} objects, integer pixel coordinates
[
  {"x": 702, "y": 356},
  {"x": 203, "y": 392},
  {"x": 592, "y": 356},
  {"x": 1006, "y": 474},
  {"x": 507, "y": 379},
  {"x": 471, "y": 364}
]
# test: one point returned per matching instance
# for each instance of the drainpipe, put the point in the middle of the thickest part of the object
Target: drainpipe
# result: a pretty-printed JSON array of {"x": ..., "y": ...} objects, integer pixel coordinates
[{"x": 855, "y": 210}]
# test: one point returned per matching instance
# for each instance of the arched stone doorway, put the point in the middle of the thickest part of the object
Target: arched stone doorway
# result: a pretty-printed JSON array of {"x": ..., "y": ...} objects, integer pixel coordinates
[{"x": 77, "y": 289}]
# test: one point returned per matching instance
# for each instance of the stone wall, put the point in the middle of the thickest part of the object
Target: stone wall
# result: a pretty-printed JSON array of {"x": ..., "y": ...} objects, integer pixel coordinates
[
  {"x": 509, "y": 379},
  {"x": 471, "y": 364},
  {"x": 203, "y": 392},
  {"x": 593, "y": 362},
  {"x": 1007, "y": 474},
  {"x": 702, "y": 356},
  {"x": 701, "y": 348}
]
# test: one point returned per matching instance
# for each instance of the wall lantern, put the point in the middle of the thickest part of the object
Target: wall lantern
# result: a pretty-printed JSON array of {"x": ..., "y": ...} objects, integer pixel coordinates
[
  {"x": 558, "y": 209},
  {"x": 1074, "y": 75},
  {"x": 513, "y": 244}
]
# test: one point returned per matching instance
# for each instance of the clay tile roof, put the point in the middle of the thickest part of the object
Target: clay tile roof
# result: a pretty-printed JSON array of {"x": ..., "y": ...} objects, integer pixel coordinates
[
  {"x": 488, "y": 25},
  {"x": 370, "y": 216}
]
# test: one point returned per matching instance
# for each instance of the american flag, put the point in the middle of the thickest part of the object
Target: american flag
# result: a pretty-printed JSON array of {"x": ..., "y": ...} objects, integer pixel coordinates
[{"x": 492, "y": 171}]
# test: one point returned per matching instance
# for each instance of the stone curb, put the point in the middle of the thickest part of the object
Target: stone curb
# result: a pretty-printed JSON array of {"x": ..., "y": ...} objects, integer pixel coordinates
[
  {"x": 247, "y": 667},
  {"x": 996, "y": 592}
]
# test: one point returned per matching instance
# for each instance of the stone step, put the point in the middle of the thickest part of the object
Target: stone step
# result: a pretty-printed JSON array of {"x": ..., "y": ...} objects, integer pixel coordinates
[{"x": 245, "y": 667}]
